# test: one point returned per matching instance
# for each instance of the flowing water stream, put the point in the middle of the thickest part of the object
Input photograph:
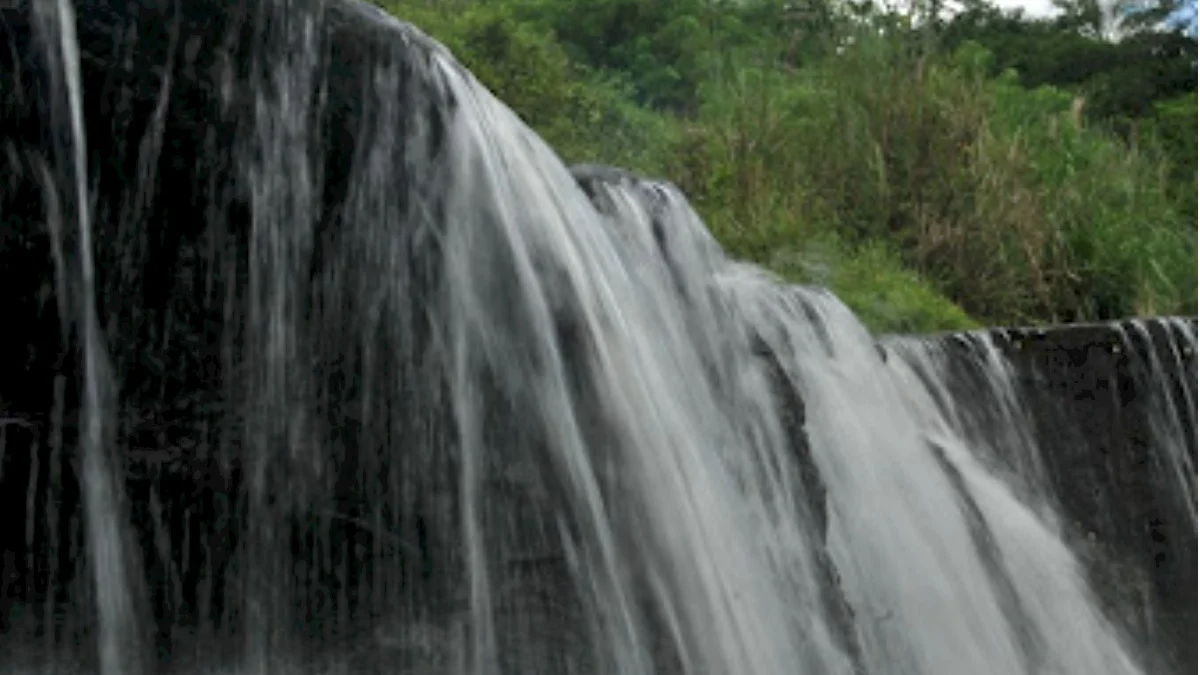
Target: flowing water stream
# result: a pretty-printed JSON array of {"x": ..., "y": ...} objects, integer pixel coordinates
[{"x": 394, "y": 390}]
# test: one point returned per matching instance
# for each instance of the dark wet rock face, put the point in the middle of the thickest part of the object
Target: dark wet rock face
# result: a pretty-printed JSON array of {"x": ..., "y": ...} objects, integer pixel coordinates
[
  {"x": 170, "y": 96},
  {"x": 1117, "y": 425},
  {"x": 1113, "y": 410}
]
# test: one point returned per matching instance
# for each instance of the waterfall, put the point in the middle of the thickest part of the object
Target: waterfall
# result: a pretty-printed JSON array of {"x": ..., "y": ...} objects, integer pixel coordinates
[{"x": 325, "y": 362}]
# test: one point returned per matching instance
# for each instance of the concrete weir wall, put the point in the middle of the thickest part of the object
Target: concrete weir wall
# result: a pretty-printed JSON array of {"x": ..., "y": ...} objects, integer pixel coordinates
[{"x": 1113, "y": 409}]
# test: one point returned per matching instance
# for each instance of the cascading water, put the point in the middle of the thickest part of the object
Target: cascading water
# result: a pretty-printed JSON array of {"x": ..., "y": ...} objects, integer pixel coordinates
[
  {"x": 396, "y": 391},
  {"x": 67, "y": 207},
  {"x": 1173, "y": 425},
  {"x": 1090, "y": 429}
]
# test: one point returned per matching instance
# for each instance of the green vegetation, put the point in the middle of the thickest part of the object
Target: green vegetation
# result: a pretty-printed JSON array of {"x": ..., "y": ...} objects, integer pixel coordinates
[{"x": 934, "y": 173}]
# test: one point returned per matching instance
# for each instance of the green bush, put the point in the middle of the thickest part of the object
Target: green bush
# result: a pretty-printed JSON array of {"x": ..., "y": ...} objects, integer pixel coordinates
[
  {"x": 1126, "y": 248},
  {"x": 1173, "y": 131},
  {"x": 885, "y": 294}
]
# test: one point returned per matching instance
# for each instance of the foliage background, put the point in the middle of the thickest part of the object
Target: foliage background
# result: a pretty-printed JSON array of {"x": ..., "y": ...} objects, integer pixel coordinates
[{"x": 935, "y": 169}]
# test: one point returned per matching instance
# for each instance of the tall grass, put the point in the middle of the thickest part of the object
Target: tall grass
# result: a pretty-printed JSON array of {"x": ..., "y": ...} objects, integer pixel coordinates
[{"x": 995, "y": 194}]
